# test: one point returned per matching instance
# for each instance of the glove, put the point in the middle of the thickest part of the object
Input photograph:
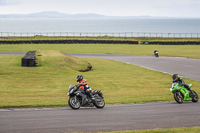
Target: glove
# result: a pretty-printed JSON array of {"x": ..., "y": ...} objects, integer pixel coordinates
[{"x": 89, "y": 89}]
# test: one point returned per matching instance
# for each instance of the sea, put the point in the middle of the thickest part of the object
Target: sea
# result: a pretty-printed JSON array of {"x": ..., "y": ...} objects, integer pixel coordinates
[{"x": 116, "y": 27}]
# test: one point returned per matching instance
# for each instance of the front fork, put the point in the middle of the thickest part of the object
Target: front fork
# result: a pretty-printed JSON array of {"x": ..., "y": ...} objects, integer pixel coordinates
[
  {"x": 179, "y": 94},
  {"x": 75, "y": 98}
]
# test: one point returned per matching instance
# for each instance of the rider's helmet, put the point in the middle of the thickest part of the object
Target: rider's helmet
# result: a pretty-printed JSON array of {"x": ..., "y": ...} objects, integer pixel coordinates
[
  {"x": 174, "y": 76},
  {"x": 79, "y": 77}
]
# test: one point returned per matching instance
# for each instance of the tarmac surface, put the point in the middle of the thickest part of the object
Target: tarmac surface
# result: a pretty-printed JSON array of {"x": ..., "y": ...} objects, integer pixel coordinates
[{"x": 111, "y": 117}]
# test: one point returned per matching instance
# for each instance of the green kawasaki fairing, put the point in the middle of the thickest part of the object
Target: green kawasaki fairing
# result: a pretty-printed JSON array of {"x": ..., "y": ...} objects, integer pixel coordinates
[{"x": 182, "y": 94}]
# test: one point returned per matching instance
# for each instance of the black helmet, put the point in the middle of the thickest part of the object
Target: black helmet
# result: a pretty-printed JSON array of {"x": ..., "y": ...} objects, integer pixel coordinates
[
  {"x": 79, "y": 77},
  {"x": 174, "y": 76}
]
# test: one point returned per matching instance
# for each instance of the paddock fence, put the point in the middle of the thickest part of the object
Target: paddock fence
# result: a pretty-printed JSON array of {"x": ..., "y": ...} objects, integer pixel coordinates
[{"x": 99, "y": 34}]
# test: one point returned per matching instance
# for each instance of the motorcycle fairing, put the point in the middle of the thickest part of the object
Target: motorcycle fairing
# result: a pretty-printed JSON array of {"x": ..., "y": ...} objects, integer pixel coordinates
[
  {"x": 83, "y": 97},
  {"x": 183, "y": 90}
]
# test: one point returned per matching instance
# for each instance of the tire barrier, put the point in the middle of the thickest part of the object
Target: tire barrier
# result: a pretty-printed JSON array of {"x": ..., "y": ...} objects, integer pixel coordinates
[
  {"x": 29, "y": 59},
  {"x": 98, "y": 42},
  {"x": 68, "y": 42},
  {"x": 176, "y": 43}
]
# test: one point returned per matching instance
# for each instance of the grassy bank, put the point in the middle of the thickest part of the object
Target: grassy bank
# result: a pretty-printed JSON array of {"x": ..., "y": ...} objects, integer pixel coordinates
[
  {"x": 189, "y": 51},
  {"x": 47, "y": 85},
  {"x": 170, "y": 130},
  {"x": 37, "y": 86}
]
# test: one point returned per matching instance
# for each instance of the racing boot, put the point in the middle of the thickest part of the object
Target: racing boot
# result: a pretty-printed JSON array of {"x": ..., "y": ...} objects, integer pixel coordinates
[{"x": 92, "y": 97}]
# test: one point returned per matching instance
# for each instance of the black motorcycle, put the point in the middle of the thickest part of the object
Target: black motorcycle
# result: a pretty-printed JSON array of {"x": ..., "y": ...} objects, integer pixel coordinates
[{"x": 77, "y": 98}]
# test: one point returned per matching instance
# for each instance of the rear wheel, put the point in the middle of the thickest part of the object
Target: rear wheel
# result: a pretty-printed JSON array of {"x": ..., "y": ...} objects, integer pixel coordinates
[
  {"x": 195, "y": 98},
  {"x": 178, "y": 97},
  {"x": 99, "y": 102},
  {"x": 74, "y": 102}
]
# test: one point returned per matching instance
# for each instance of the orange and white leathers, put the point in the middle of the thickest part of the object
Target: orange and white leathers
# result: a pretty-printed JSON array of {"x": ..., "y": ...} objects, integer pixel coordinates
[{"x": 84, "y": 85}]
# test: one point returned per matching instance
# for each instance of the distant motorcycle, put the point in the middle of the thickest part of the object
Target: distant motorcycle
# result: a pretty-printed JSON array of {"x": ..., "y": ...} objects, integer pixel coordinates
[
  {"x": 156, "y": 54},
  {"x": 77, "y": 98},
  {"x": 182, "y": 94}
]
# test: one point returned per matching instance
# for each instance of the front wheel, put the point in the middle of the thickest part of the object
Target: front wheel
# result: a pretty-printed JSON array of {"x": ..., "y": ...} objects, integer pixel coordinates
[
  {"x": 178, "y": 97},
  {"x": 99, "y": 102},
  {"x": 74, "y": 102},
  {"x": 195, "y": 98}
]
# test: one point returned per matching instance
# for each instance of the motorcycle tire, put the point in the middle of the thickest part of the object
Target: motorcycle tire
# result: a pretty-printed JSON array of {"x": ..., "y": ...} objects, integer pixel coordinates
[
  {"x": 178, "y": 97},
  {"x": 195, "y": 98},
  {"x": 74, "y": 102},
  {"x": 99, "y": 102}
]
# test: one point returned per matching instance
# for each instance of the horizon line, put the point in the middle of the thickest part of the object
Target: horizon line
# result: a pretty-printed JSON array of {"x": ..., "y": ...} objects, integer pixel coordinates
[{"x": 145, "y": 16}]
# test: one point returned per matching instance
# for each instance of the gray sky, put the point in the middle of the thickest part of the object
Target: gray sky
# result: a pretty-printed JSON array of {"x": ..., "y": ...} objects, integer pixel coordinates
[{"x": 168, "y": 8}]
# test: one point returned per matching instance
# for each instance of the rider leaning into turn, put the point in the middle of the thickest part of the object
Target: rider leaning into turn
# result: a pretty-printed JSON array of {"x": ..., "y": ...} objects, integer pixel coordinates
[
  {"x": 177, "y": 79},
  {"x": 155, "y": 51},
  {"x": 82, "y": 83}
]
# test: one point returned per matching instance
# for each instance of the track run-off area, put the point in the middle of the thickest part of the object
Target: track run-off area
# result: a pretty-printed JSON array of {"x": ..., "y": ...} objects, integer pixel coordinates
[{"x": 112, "y": 117}]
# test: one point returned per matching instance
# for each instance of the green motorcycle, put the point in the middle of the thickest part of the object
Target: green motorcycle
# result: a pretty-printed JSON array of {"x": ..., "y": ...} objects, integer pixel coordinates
[{"x": 182, "y": 94}]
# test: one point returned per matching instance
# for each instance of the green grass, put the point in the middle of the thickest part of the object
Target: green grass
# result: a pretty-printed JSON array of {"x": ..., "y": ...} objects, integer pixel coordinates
[
  {"x": 170, "y": 130},
  {"x": 189, "y": 51},
  {"x": 52, "y": 58},
  {"x": 47, "y": 85},
  {"x": 101, "y": 38}
]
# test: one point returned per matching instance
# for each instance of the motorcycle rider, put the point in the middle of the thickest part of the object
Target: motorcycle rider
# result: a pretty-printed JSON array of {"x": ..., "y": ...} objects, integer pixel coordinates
[
  {"x": 156, "y": 53},
  {"x": 177, "y": 79},
  {"x": 82, "y": 83}
]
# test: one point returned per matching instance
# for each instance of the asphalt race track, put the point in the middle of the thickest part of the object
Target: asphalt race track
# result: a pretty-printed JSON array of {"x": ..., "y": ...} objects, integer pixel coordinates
[{"x": 112, "y": 117}]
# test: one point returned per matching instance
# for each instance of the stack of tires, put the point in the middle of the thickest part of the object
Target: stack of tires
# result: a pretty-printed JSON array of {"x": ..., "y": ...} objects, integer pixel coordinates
[{"x": 29, "y": 59}]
